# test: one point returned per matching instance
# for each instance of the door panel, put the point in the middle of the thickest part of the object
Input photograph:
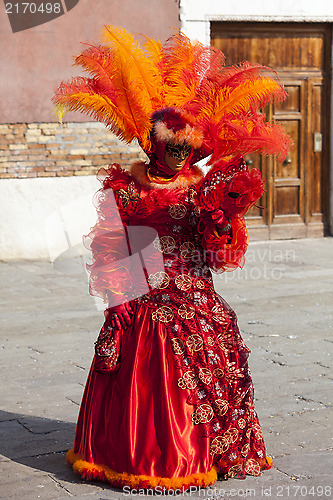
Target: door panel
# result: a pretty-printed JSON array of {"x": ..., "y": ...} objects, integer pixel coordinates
[{"x": 295, "y": 203}]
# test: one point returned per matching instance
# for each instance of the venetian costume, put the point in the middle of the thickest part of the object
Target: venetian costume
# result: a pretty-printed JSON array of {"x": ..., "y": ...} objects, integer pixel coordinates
[{"x": 169, "y": 399}]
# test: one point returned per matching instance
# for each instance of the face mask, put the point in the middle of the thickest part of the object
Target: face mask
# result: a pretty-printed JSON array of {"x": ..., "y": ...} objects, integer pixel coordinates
[{"x": 179, "y": 152}]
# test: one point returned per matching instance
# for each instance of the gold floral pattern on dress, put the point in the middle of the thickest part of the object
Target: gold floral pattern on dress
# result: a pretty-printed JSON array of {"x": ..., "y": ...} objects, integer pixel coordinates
[
  {"x": 178, "y": 211},
  {"x": 205, "y": 375},
  {"x": 221, "y": 406},
  {"x": 131, "y": 194},
  {"x": 200, "y": 284},
  {"x": 210, "y": 341},
  {"x": 183, "y": 282},
  {"x": 233, "y": 373},
  {"x": 257, "y": 432},
  {"x": 235, "y": 470},
  {"x": 195, "y": 342},
  {"x": 197, "y": 211},
  {"x": 239, "y": 396},
  {"x": 177, "y": 346},
  {"x": 231, "y": 434},
  {"x": 245, "y": 450},
  {"x": 203, "y": 414},
  {"x": 218, "y": 373},
  {"x": 252, "y": 467},
  {"x": 187, "y": 250},
  {"x": 159, "y": 280},
  {"x": 188, "y": 381},
  {"x": 225, "y": 341},
  {"x": 219, "y": 445},
  {"x": 168, "y": 244},
  {"x": 186, "y": 312},
  {"x": 163, "y": 314},
  {"x": 241, "y": 422},
  {"x": 219, "y": 315}
]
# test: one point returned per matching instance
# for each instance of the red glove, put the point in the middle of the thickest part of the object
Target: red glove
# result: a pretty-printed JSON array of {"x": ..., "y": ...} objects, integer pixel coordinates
[
  {"x": 120, "y": 316},
  {"x": 214, "y": 221}
]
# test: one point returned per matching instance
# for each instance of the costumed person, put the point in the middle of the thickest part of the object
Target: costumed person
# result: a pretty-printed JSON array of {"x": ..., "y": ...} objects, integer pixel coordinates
[{"x": 169, "y": 399}]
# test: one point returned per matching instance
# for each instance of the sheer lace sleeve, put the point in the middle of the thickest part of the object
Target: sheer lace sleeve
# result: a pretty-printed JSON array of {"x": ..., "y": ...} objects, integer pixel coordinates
[{"x": 115, "y": 202}]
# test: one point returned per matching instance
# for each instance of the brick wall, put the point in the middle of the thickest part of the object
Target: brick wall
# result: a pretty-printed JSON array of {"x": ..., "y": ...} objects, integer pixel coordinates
[{"x": 51, "y": 149}]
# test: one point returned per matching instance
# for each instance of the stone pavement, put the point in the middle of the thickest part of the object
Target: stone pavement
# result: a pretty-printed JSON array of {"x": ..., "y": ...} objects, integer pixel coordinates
[{"x": 283, "y": 298}]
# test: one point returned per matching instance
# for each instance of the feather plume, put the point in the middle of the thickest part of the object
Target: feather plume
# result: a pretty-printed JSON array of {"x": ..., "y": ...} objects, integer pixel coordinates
[
  {"x": 128, "y": 83},
  {"x": 248, "y": 96},
  {"x": 233, "y": 76},
  {"x": 185, "y": 66},
  {"x": 137, "y": 68},
  {"x": 153, "y": 48},
  {"x": 80, "y": 95},
  {"x": 244, "y": 137}
]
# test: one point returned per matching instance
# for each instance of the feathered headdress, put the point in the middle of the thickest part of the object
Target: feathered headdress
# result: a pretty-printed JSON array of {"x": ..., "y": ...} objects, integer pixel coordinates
[{"x": 180, "y": 92}]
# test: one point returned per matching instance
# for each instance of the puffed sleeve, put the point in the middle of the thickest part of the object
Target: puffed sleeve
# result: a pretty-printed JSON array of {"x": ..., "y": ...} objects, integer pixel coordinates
[
  {"x": 224, "y": 196},
  {"x": 116, "y": 202}
]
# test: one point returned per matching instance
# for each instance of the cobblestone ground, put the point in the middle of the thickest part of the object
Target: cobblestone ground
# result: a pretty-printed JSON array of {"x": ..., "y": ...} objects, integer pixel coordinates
[{"x": 283, "y": 298}]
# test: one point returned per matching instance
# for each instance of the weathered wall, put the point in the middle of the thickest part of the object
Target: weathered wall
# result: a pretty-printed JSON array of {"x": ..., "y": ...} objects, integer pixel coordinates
[
  {"x": 34, "y": 61},
  {"x": 54, "y": 150}
]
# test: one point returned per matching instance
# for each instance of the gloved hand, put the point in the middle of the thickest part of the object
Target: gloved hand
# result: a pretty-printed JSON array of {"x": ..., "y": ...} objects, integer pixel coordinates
[
  {"x": 215, "y": 220},
  {"x": 120, "y": 316}
]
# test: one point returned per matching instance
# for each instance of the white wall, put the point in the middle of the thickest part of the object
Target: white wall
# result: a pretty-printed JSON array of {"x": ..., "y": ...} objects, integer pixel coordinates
[
  {"x": 45, "y": 217},
  {"x": 196, "y": 14}
]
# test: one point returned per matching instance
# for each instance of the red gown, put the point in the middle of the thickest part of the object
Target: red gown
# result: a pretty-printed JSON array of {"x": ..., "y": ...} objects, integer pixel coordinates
[{"x": 179, "y": 409}]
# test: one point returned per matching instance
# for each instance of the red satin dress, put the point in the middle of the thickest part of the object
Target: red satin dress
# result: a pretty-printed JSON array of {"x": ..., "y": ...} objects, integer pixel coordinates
[{"x": 178, "y": 410}]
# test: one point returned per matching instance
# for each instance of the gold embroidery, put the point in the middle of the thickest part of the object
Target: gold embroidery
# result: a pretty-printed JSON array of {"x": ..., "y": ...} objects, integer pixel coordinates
[
  {"x": 221, "y": 406},
  {"x": 218, "y": 373},
  {"x": 168, "y": 244},
  {"x": 159, "y": 280},
  {"x": 200, "y": 284},
  {"x": 219, "y": 445},
  {"x": 163, "y": 314},
  {"x": 233, "y": 373},
  {"x": 252, "y": 467},
  {"x": 188, "y": 380},
  {"x": 195, "y": 342},
  {"x": 130, "y": 195},
  {"x": 177, "y": 211},
  {"x": 183, "y": 282},
  {"x": 245, "y": 450},
  {"x": 177, "y": 346},
  {"x": 210, "y": 341},
  {"x": 187, "y": 250},
  {"x": 235, "y": 470},
  {"x": 197, "y": 211},
  {"x": 241, "y": 423},
  {"x": 205, "y": 375},
  {"x": 231, "y": 434},
  {"x": 203, "y": 414},
  {"x": 257, "y": 432},
  {"x": 186, "y": 312},
  {"x": 219, "y": 314}
]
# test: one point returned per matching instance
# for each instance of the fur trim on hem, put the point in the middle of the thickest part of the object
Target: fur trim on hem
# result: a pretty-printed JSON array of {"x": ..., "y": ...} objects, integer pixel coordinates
[
  {"x": 138, "y": 170},
  {"x": 90, "y": 471}
]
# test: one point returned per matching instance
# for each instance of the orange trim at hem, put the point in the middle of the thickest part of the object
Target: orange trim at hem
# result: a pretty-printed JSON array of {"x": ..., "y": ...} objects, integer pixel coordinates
[{"x": 90, "y": 471}]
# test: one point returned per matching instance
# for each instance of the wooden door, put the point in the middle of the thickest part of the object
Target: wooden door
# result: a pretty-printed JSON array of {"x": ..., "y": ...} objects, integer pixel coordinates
[{"x": 295, "y": 203}]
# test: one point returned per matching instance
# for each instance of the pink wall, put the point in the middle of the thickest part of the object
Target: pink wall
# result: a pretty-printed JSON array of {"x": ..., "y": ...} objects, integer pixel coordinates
[{"x": 34, "y": 61}]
